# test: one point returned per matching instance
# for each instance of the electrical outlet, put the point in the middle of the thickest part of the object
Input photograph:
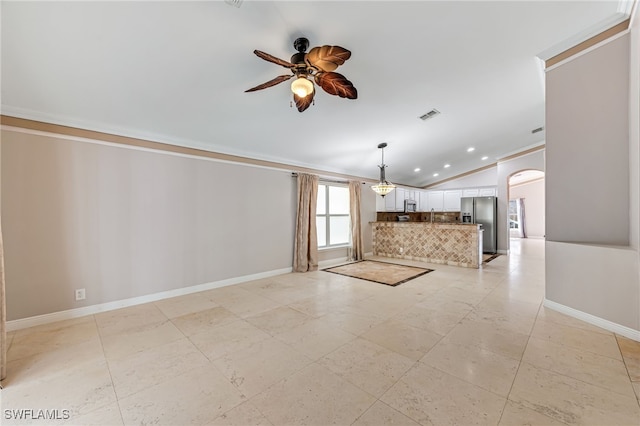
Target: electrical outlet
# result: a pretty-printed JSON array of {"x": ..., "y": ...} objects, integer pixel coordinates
[
  {"x": 80, "y": 294},
  {"x": 401, "y": 249}
]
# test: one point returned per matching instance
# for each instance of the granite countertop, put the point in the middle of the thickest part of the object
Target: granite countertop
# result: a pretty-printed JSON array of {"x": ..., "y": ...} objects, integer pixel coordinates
[{"x": 426, "y": 223}]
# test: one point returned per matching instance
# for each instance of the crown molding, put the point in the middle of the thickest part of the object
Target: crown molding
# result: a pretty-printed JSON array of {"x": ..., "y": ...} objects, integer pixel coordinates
[
  {"x": 488, "y": 166},
  {"x": 91, "y": 136},
  {"x": 588, "y": 37}
]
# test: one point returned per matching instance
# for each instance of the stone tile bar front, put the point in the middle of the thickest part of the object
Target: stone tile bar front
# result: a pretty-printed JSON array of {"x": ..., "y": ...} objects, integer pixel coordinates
[{"x": 453, "y": 244}]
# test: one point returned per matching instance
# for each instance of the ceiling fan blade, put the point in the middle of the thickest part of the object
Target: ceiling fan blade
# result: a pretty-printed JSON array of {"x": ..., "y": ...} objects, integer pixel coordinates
[
  {"x": 303, "y": 103},
  {"x": 273, "y": 59},
  {"x": 327, "y": 58},
  {"x": 336, "y": 84},
  {"x": 273, "y": 82}
]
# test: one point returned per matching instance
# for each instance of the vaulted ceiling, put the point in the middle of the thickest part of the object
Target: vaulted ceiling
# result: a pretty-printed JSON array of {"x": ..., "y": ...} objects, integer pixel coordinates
[{"x": 176, "y": 72}]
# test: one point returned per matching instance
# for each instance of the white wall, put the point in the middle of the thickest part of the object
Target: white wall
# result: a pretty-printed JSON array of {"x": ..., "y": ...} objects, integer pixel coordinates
[
  {"x": 368, "y": 212},
  {"x": 634, "y": 141},
  {"x": 587, "y": 124},
  {"x": 533, "y": 194},
  {"x": 124, "y": 223},
  {"x": 600, "y": 281},
  {"x": 589, "y": 172},
  {"x": 488, "y": 177}
]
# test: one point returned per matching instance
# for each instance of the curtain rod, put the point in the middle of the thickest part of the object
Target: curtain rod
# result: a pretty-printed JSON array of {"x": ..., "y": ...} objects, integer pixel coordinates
[{"x": 346, "y": 182}]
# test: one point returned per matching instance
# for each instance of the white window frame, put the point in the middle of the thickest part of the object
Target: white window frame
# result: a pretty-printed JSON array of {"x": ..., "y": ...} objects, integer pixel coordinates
[{"x": 328, "y": 216}]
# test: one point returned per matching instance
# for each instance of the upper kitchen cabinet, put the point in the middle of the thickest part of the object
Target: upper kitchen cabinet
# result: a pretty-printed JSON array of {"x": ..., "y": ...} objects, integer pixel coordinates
[
  {"x": 471, "y": 192},
  {"x": 422, "y": 201},
  {"x": 390, "y": 201},
  {"x": 438, "y": 200},
  {"x": 435, "y": 201},
  {"x": 401, "y": 195},
  {"x": 452, "y": 200}
]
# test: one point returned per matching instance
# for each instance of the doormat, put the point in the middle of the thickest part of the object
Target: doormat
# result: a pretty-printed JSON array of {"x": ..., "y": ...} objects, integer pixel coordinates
[
  {"x": 379, "y": 272},
  {"x": 486, "y": 258}
]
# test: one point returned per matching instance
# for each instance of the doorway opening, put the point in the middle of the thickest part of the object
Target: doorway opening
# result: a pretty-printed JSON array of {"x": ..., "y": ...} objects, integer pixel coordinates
[{"x": 526, "y": 205}]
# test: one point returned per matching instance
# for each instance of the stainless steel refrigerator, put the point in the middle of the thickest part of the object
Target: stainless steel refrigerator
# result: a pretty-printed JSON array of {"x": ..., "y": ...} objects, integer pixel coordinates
[{"x": 482, "y": 210}]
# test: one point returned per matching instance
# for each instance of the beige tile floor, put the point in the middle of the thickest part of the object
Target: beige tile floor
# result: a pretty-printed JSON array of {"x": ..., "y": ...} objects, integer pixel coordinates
[{"x": 456, "y": 346}]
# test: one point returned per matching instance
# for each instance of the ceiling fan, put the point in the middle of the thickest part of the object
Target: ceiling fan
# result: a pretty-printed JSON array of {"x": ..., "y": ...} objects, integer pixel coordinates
[{"x": 319, "y": 65}]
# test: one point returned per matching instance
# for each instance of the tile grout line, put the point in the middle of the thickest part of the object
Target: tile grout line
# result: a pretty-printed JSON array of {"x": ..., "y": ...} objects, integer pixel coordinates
[
  {"x": 106, "y": 360},
  {"x": 562, "y": 374},
  {"x": 515, "y": 376},
  {"x": 626, "y": 367}
]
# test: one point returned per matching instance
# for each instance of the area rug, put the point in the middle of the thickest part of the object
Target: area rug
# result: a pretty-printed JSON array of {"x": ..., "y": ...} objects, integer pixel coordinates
[{"x": 379, "y": 272}]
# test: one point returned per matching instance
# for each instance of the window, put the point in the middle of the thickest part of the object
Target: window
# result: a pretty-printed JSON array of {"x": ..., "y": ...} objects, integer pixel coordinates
[
  {"x": 514, "y": 214},
  {"x": 332, "y": 215}
]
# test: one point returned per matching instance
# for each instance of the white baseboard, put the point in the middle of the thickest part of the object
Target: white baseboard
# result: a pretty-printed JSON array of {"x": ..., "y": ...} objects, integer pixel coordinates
[
  {"x": 503, "y": 251},
  {"x": 593, "y": 320},
  {"x": 109, "y": 306}
]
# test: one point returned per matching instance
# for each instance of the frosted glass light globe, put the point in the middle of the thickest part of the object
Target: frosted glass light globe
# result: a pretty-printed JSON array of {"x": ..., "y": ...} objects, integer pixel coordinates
[{"x": 301, "y": 87}]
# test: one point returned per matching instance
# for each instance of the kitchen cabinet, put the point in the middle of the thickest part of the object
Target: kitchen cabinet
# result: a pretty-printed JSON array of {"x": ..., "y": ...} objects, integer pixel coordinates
[
  {"x": 487, "y": 192},
  {"x": 451, "y": 200},
  {"x": 435, "y": 201},
  {"x": 440, "y": 201},
  {"x": 390, "y": 201},
  {"x": 424, "y": 200},
  {"x": 421, "y": 199},
  {"x": 400, "y": 197},
  {"x": 448, "y": 200}
]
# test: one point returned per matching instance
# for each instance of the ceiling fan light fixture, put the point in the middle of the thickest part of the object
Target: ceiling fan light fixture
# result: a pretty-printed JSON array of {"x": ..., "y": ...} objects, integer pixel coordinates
[
  {"x": 383, "y": 187},
  {"x": 302, "y": 87},
  {"x": 317, "y": 66}
]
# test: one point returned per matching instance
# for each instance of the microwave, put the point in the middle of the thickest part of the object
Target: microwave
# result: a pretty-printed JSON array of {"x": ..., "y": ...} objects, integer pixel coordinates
[{"x": 410, "y": 206}]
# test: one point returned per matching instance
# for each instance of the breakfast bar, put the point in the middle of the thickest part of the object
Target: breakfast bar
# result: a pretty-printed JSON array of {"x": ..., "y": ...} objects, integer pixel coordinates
[{"x": 456, "y": 244}]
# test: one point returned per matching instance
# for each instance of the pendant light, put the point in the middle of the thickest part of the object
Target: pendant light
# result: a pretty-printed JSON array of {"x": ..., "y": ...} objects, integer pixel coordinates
[{"x": 383, "y": 187}]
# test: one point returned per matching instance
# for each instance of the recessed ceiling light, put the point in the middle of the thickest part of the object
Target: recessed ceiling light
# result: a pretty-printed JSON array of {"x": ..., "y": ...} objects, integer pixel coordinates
[
  {"x": 435, "y": 175},
  {"x": 417, "y": 169},
  {"x": 471, "y": 149},
  {"x": 484, "y": 158},
  {"x": 446, "y": 166}
]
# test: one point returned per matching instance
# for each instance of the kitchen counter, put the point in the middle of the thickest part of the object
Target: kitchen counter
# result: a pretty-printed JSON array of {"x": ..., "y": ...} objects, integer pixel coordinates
[
  {"x": 456, "y": 244},
  {"x": 440, "y": 217}
]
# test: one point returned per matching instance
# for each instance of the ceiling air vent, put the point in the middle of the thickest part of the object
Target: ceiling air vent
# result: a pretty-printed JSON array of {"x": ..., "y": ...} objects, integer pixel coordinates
[
  {"x": 430, "y": 114},
  {"x": 236, "y": 3},
  {"x": 539, "y": 129}
]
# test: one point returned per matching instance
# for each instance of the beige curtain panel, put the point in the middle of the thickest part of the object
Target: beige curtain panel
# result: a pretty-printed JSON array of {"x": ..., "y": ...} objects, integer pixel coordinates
[
  {"x": 3, "y": 317},
  {"x": 357, "y": 250},
  {"x": 305, "y": 256}
]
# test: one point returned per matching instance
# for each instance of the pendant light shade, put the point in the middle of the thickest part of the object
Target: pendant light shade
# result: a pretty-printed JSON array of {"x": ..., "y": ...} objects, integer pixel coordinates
[{"x": 383, "y": 187}]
